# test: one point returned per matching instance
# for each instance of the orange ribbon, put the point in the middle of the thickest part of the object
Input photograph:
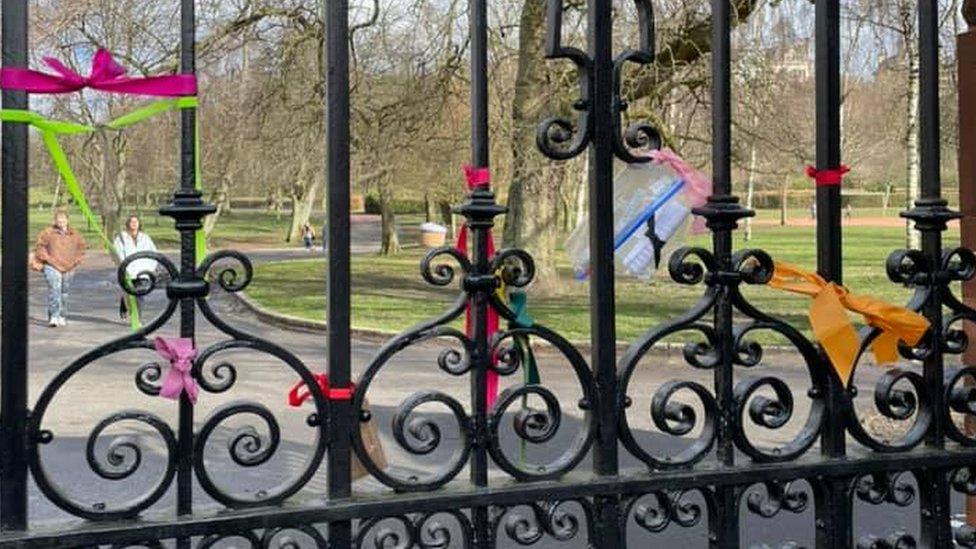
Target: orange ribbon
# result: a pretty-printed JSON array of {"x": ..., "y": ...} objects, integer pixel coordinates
[{"x": 833, "y": 328}]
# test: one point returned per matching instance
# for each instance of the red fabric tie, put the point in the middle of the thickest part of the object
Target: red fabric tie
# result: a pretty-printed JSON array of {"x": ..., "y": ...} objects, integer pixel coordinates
[
  {"x": 300, "y": 392},
  {"x": 828, "y": 178},
  {"x": 480, "y": 177}
]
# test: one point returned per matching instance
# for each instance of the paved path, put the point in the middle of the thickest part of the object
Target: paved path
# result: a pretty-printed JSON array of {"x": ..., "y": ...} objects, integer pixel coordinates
[{"x": 107, "y": 386}]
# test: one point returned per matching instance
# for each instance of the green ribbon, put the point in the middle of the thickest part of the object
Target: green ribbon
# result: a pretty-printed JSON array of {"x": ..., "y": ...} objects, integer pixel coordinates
[
  {"x": 517, "y": 301},
  {"x": 51, "y": 129}
]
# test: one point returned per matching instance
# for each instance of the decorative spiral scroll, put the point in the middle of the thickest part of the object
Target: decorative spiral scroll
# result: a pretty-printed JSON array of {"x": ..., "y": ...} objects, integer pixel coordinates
[
  {"x": 395, "y": 532},
  {"x": 689, "y": 265},
  {"x": 559, "y": 139},
  {"x": 657, "y": 511},
  {"x": 250, "y": 538},
  {"x": 145, "y": 282},
  {"x": 638, "y": 135},
  {"x": 437, "y": 273},
  {"x": 754, "y": 266},
  {"x": 425, "y": 531},
  {"x": 897, "y": 540},
  {"x": 894, "y": 402},
  {"x": 515, "y": 267},
  {"x": 772, "y": 413},
  {"x": 293, "y": 538},
  {"x": 148, "y": 378},
  {"x": 907, "y": 267},
  {"x": 528, "y": 524},
  {"x": 538, "y": 426},
  {"x": 434, "y": 533},
  {"x": 778, "y": 496},
  {"x": 878, "y": 488},
  {"x": 677, "y": 419},
  {"x": 959, "y": 264},
  {"x": 963, "y": 480},
  {"x": 247, "y": 447},
  {"x": 961, "y": 398},
  {"x": 228, "y": 277}
]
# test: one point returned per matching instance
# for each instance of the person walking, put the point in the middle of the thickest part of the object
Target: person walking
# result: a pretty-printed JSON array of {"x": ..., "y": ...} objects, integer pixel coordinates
[
  {"x": 59, "y": 251},
  {"x": 308, "y": 236},
  {"x": 129, "y": 241}
]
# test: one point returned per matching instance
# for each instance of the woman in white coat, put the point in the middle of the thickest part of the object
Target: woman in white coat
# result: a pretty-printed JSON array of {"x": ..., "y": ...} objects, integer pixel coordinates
[{"x": 128, "y": 242}]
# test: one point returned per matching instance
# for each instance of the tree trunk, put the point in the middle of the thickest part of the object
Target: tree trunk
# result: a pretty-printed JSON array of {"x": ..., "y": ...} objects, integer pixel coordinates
[
  {"x": 389, "y": 241},
  {"x": 448, "y": 217},
  {"x": 913, "y": 238},
  {"x": 221, "y": 199},
  {"x": 430, "y": 208},
  {"x": 751, "y": 186},
  {"x": 782, "y": 201},
  {"x": 533, "y": 194},
  {"x": 886, "y": 199}
]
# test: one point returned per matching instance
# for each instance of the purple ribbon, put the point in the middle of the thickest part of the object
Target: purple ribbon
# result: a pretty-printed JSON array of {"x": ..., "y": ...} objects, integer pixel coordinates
[
  {"x": 105, "y": 75},
  {"x": 179, "y": 351}
]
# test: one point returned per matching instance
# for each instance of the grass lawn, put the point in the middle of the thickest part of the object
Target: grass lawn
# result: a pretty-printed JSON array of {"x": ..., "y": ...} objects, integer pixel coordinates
[{"x": 388, "y": 293}]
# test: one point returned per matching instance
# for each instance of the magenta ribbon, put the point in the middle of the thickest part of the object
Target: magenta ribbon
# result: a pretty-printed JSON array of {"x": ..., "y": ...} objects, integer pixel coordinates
[
  {"x": 105, "y": 75},
  {"x": 180, "y": 352},
  {"x": 697, "y": 187}
]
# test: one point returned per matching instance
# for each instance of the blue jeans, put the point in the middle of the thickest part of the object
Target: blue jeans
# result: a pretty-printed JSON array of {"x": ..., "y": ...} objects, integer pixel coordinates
[{"x": 58, "y": 288}]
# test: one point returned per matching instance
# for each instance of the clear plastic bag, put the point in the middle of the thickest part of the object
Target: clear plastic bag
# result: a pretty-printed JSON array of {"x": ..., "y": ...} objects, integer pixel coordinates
[{"x": 651, "y": 218}]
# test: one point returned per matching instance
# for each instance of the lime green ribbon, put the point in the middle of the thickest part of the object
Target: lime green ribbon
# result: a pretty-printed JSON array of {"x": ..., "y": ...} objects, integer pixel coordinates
[{"x": 51, "y": 129}]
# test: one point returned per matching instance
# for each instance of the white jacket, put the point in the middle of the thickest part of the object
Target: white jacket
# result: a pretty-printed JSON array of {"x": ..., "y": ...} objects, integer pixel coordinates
[{"x": 126, "y": 246}]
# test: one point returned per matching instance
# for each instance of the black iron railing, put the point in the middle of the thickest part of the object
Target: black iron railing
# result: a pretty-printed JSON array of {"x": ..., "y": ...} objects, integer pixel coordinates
[{"x": 714, "y": 465}]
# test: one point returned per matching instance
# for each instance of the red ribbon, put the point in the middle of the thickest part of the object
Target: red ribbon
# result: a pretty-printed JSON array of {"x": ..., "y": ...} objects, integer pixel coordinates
[
  {"x": 105, "y": 75},
  {"x": 476, "y": 178},
  {"x": 300, "y": 392},
  {"x": 828, "y": 178}
]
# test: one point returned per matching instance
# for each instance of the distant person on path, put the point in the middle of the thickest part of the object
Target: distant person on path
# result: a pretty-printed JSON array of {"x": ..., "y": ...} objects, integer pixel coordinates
[
  {"x": 813, "y": 210},
  {"x": 849, "y": 211},
  {"x": 59, "y": 251},
  {"x": 308, "y": 236},
  {"x": 129, "y": 241}
]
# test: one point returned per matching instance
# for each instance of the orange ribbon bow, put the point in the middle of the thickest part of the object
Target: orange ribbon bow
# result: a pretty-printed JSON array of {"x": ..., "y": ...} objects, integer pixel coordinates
[{"x": 833, "y": 328}]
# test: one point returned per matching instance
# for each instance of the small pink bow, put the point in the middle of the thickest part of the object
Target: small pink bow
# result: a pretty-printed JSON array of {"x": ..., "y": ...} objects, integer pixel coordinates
[
  {"x": 105, "y": 75},
  {"x": 179, "y": 351},
  {"x": 697, "y": 186}
]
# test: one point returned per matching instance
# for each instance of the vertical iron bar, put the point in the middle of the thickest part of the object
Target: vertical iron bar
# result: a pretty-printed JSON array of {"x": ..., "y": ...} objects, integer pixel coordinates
[
  {"x": 339, "y": 282},
  {"x": 478, "y": 34},
  {"x": 936, "y": 530},
  {"x": 188, "y": 260},
  {"x": 13, "y": 365},
  {"x": 834, "y": 510},
  {"x": 602, "y": 304},
  {"x": 724, "y": 527}
]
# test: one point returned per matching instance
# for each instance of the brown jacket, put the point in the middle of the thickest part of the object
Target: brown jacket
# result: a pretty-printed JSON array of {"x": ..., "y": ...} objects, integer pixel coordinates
[{"x": 61, "y": 250}]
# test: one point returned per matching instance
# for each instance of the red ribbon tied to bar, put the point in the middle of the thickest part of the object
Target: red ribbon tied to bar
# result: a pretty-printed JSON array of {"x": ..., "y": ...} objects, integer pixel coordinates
[
  {"x": 476, "y": 178},
  {"x": 300, "y": 392},
  {"x": 105, "y": 75},
  {"x": 828, "y": 178}
]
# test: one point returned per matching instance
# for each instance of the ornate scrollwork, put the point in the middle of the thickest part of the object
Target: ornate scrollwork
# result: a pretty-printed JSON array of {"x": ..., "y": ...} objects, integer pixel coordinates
[
  {"x": 878, "y": 488},
  {"x": 894, "y": 400},
  {"x": 656, "y": 511},
  {"x": 897, "y": 540},
  {"x": 145, "y": 282},
  {"x": 778, "y": 496},
  {"x": 227, "y": 276},
  {"x": 425, "y": 531},
  {"x": 560, "y": 139},
  {"x": 437, "y": 273},
  {"x": 528, "y": 524},
  {"x": 693, "y": 266}
]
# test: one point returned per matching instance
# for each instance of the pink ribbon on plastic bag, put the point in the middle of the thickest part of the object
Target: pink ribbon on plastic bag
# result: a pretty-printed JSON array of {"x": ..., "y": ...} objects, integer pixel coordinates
[
  {"x": 179, "y": 351},
  {"x": 697, "y": 187},
  {"x": 105, "y": 75}
]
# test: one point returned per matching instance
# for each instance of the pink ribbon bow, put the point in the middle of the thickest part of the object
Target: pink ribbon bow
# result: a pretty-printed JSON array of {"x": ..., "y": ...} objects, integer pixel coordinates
[
  {"x": 179, "y": 351},
  {"x": 697, "y": 187},
  {"x": 480, "y": 177},
  {"x": 105, "y": 75}
]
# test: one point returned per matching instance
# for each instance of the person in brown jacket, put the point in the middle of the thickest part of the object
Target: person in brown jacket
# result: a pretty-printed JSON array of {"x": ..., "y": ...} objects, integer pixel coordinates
[{"x": 60, "y": 250}]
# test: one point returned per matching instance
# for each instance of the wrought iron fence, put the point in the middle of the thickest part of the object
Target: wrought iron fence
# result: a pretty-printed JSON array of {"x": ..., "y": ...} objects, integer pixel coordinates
[{"x": 719, "y": 472}]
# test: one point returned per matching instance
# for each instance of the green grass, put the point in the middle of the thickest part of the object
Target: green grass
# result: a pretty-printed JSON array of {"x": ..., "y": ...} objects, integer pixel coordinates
[{"x": 389, "y": 295}]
